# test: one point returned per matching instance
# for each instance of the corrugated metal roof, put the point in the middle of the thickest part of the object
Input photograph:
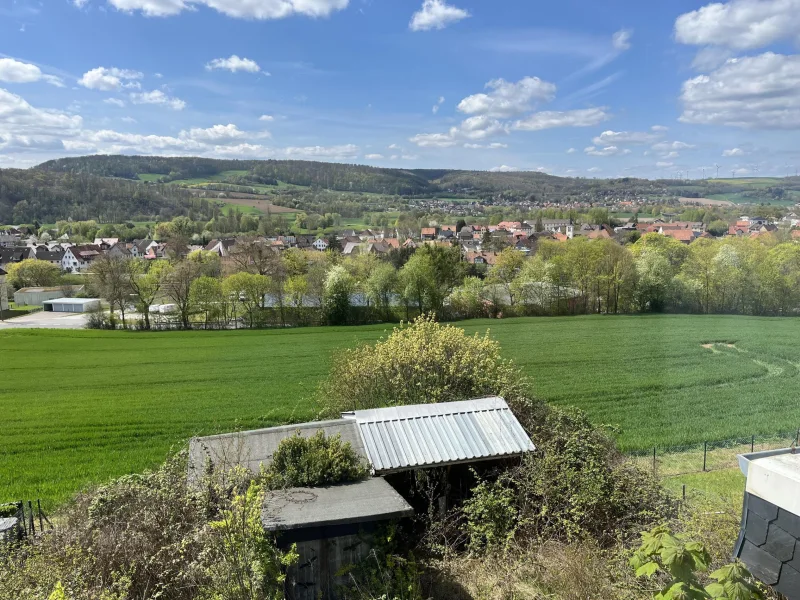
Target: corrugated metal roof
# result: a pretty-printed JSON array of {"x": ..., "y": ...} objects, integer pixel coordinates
[{"x": 424, "y": 435}]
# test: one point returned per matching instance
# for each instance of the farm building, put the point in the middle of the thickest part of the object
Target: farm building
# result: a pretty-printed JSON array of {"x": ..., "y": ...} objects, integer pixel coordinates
[
  {"x": 769, "y": 539},
  {"x": 36, "y": 296},
  {"x": 331, "y": 526},
  {"x": 71, "y": 305}
]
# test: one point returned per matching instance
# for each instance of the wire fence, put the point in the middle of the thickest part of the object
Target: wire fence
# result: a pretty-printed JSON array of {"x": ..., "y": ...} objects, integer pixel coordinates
[{"x": 670, "y": 461}]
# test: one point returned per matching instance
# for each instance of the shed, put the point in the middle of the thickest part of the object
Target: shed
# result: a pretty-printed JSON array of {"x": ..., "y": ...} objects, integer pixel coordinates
[
  {"x": 332, "y": 528},
  {"x": 432, "y": 435},
  {"x": 35, "y": 296},
  {"x": 71, "y": 305},
  {"x": 769, "y": 538},
  {"x": 251, "y": 449}
]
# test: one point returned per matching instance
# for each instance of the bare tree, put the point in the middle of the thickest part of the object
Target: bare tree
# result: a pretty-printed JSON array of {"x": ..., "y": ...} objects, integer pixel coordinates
[
  {"x": 178, "y": 286},
  {"x": 110, "y": 278}
]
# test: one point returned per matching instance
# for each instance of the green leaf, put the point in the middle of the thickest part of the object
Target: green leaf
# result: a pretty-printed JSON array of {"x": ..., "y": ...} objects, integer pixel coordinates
[{"x": 647, "y": 569}]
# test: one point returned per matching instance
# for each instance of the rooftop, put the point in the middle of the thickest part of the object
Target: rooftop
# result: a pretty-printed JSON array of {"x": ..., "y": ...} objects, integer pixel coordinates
[
  {"x": 251, "y": 449},
  {"x": 370, "y": 500},
  {"x": 426, "y": 435}
]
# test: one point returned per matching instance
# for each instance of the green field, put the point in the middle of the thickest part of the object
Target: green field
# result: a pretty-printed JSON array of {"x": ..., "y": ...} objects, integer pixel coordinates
[
  {"x": 744, "y": 198},
  {"x": 82, "y": 406}
]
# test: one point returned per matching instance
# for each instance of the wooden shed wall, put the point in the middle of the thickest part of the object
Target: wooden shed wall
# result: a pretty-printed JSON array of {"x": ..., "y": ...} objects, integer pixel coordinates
[{"x": 322, "y": 566}]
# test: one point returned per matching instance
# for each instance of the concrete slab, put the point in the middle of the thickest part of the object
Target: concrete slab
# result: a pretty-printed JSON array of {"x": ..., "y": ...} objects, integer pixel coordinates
[{"x": 45, "y": 320}]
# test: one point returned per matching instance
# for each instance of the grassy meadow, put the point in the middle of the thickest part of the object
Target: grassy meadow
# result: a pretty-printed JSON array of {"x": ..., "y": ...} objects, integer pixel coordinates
[{"x": 82, "y": 406}]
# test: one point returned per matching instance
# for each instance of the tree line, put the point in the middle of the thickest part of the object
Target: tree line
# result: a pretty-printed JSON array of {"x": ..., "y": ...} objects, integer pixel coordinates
[{"x": 258, "y": 287}]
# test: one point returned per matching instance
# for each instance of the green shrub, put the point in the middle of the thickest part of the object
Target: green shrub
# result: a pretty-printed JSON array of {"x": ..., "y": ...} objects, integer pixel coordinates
[
  {"x": 8, "y": 510},
  {"x": 491, "y": 516},
  {"x": 151, "y": 536},
  {"x": 678, "y": 561},
  {"x": 242, "y": 560},
  {"x": 314, "y": 461},
  {"x": 577, "y": 486},
  {"x": 422, "y": 362}
]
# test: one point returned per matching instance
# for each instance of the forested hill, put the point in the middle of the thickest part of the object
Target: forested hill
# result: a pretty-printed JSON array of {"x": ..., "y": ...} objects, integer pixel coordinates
[
  {"x": 35, "y": 195},
  {"x": 332, "y": 176}
]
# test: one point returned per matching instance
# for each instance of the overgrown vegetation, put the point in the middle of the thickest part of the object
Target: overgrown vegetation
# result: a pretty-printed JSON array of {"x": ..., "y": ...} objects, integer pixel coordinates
[
  {"x": 152, "y": 536},
  {"x": 314, "y": 461},
  {"x": 680, "y": 561}
]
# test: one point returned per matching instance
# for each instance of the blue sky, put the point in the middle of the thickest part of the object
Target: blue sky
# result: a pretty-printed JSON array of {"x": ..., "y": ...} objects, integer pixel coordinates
[{"x": 593, "y": 89}]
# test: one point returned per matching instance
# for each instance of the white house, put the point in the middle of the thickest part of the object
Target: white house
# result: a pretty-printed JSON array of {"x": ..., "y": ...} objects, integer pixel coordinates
[
  {"x": 78, "y": 258},
  {"x": 320, "y": 244}
]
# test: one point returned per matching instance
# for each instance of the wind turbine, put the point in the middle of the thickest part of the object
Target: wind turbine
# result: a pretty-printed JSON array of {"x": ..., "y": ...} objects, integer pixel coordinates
[
  {"x": 733, "y": 173},
  {"x": 717, "y": 166}
]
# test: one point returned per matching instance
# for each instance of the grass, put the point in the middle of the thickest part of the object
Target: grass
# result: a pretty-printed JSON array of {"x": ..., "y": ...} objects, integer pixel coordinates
[
  {"x": 83, "y": 406},
  {"x": 151, "y": 176}
]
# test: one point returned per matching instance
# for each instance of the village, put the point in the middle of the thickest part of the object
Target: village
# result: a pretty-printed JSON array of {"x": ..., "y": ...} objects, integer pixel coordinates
[{"x": 479, "y": 244}]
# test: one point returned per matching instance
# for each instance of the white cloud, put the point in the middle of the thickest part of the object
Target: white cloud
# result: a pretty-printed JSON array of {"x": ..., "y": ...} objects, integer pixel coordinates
[
  {"x": 115, "y": 102},
  {"x": 473, "y": 129},
  {"x": 409, "y": 157},
  {"x": 751, "y": 92},
  {"x": 394, "y": 147},
  {"x": 584, "y": 117},
  {"x": 621, "y": 40},
  {"x": 266, "y": 118},
  {"x": 373, "y": 156},
  {"x": 80, "y": 3},
  {"x": 234, "y": 64},
  {"x": 571, "y": 151},
  {"x": 241, "y": 9},
  {"x": 218, "y": 134},
  {"x": 20, "y": 118},
  {"x": 503, "y": 169},
  {"x": 436, "y": 106},
  {"x": 625, "y": 137},
  {"x": 158, "y": 97},
  {"x": 110, "y": 79},
  {"x": 15, "y": 71},
  {"x": 672, "y": 154},
  {"x": 607, "y": 151},
  {"x": 734, "y": 152},
  {"x": 129, "y": 120},
  {"x": 436, "y": 14},
  {"x": 664, "y": 165},
  {"x": 740, "y": 24},
  {"x": 594, "y": 169},
  {"x": 334, "y": 152},
  {"x": 492, "y": 146},
  {"x": 433, "y": 140},
  {"x": 508, "y": 99},
  {"x": 669, "y": 146},
  {"x": 659, "y": 128}
]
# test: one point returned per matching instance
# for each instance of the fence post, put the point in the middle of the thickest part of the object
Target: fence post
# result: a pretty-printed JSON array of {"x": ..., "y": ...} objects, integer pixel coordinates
[
  {"x": 705, "y": 454},
  {"x": 30, "y": 517},
  {"x": 654, "y": 460},
  {"x": 41, "y": 522},
  {"x": 684, "y": 492},
  {"x": 752, "y": 444}
]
